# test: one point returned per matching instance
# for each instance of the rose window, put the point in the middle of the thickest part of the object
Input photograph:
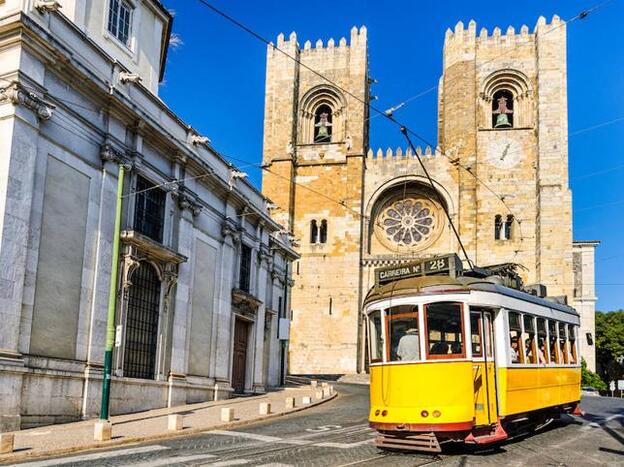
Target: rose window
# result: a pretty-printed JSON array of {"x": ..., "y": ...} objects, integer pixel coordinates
[{"x": 408, "y": 222}]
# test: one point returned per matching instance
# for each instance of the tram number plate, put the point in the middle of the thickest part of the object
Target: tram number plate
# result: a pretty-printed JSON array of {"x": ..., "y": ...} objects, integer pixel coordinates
[{"x": 437, "y": 265}]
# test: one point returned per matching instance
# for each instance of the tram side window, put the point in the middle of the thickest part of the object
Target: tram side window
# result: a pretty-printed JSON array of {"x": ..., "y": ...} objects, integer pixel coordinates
[
  {"x": 563, "y": 343},
  {"x": 375, "y": 336},
  {"x": 552, "y": 344},
  {"x": 403, "y": 333},
  {"x": 572, "y": 342},
  {"x": 530, "y": 344},
  {"x": 542, "y": 349},
  {"x": 515, "y": 338},
  {"x": 444, "y": 330},
  {"x": 476, "y": 334}
]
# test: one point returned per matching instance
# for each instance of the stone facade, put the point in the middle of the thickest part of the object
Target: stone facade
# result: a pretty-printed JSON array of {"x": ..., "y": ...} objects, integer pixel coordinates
[
  {"x": 201, "y": 261},
  {"x": 505, "y": 185}
]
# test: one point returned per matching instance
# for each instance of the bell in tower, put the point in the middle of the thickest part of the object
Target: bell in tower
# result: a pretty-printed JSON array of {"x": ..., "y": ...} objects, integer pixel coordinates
[
  {"x": 502, "y": 113},
  {"x": 323, "y": 125}
]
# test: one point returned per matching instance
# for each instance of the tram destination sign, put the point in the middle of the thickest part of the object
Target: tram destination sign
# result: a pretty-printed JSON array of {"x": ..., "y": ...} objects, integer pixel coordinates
[{"x": 441, "y": 265}]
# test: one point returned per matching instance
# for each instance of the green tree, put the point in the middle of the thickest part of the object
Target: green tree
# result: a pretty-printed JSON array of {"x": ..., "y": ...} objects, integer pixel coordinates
[
  {"x": 610, "y": 344},
  {"x": 589, "y": 378}
]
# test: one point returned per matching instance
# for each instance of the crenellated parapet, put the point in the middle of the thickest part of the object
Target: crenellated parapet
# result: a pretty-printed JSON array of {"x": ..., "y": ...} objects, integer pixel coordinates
[
  {"x": 468, "y": 35},
  {"x": 390, "y": 155},
  {"x": 357, "y": 40}
]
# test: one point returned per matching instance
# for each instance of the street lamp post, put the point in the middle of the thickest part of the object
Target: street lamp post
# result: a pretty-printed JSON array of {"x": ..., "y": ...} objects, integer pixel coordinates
[{"x": 112, "y": 301}]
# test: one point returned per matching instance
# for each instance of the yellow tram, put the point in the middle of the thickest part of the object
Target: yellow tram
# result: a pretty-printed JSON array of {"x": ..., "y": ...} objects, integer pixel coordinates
[{"x": 460, "y": 358}]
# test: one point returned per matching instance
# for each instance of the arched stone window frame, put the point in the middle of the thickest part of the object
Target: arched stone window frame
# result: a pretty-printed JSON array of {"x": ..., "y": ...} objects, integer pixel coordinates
[
  {"x": 323, "y": 231},
  {"x": 519, "y": 85},
  {"x": 314, "y": 231},
  {"x": 311, "y": 101}
]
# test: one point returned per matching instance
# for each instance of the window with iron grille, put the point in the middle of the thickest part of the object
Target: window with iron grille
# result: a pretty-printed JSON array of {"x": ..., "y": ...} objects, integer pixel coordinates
[
  {"x": 149, "y": 209},
  {"x": 142, "y": 324},
  {"x": 245, "y": 268},
  {"x": 120, "y": 20}
]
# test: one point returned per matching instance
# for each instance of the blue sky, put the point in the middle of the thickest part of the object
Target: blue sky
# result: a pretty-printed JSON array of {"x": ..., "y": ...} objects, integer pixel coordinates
[{"x": 215, "y": 82}]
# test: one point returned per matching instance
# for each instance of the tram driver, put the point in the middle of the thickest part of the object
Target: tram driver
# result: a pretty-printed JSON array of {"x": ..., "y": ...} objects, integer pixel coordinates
[{"x": 409, "y": 345}]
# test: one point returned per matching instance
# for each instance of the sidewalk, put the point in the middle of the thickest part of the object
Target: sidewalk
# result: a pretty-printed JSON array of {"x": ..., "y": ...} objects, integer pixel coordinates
[{"x": 153, "y": 424}]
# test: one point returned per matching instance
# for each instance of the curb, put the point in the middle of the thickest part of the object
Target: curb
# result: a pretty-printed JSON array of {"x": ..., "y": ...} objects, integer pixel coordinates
[{"x": 140, "y": 439}]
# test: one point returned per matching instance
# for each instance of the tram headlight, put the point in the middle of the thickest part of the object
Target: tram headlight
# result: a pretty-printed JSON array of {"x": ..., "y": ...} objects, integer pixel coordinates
[
  {"x": 384, "y": 413},
  {"x": 424, "y": 414},
  {"x": 377, "y": 412},
  {"x": 436, "y": 413}
]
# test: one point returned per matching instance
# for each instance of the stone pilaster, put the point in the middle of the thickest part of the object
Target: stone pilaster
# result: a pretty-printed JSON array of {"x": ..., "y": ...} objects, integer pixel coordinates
[{"x": 264, "y": 263}]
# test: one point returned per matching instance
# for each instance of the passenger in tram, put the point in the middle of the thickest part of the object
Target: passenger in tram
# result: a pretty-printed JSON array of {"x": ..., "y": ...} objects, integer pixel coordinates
[
  {"x": 541, "y": 352},
  {"x": 440, "y": 348},
  {"x": 513, "y": 351},
  {"x": 409, "y": 345}
]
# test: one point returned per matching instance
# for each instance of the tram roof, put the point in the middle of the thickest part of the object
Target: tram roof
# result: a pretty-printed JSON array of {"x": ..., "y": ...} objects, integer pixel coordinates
[{"x": 446, "y": 284}]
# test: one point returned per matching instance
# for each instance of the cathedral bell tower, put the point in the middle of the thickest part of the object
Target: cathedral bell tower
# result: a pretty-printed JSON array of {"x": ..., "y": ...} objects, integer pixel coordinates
[
  {"x": 503, "y": 115},
  {"x": 315, "y": 141}
]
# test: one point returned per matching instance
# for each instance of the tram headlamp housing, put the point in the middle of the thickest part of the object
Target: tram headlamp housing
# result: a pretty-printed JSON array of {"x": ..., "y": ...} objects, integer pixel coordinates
[
  {"x": 436, "y": 413},
  {"x": 424, "y": 414}
]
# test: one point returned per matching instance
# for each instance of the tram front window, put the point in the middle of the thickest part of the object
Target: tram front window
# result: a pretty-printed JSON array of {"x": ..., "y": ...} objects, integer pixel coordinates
[
  {"x": 403, "y": 333},
  {"x": 375, "y": 336},
  {"x": 444, "y": 330}
]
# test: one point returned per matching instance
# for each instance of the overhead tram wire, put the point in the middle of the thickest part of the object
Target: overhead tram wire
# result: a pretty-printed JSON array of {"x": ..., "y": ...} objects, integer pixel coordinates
[
  {"x": 351, "y": 94},
  {"x": 379, "y": 112},
  {"x": 440, "y": 201},
  {"x": 581, "y": 15}
]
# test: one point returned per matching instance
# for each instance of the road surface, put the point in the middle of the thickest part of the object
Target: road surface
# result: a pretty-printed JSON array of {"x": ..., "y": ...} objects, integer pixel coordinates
[{"x": 337, "y": 434}]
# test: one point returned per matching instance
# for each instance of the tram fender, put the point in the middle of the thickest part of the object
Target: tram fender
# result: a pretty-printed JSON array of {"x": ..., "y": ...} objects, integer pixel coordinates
[{"x": 499, "y": 434}]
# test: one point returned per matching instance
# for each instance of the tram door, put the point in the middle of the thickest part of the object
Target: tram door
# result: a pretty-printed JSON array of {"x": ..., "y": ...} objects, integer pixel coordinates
[{"x": 484, "y": 372}]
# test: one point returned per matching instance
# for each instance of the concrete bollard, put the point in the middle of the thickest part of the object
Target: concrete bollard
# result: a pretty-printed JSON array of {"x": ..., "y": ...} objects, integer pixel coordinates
[
  {"x": 227, "y": 414},
  {"x": 290, "y": 402},
  {"x": 175, "y": 422},
  {"x": 319, "y": 394},
  {"x": 265, "y": 408},
  {"x": 314, "y": 383},
  {"x": 6, "y": 443},
  {"x": 307, "y": 400},
  {"x": 103, "y": 430}
]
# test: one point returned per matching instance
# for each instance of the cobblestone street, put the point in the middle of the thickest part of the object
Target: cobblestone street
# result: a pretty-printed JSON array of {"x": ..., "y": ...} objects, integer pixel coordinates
[{"x": 337, "y": 434}]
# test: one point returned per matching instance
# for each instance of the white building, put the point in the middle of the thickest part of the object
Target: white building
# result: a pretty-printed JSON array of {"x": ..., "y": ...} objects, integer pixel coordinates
[{"x": 204, "y": 271}]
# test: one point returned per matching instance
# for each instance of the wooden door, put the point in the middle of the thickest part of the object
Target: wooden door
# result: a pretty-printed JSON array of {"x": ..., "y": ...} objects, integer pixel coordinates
[{"x": 239, "y": 361}]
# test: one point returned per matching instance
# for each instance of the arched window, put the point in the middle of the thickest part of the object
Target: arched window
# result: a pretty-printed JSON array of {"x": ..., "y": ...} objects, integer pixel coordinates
[
  {"x": 508, "y": 227},
  {"x": 322, "y": 116},
  {"x": 323, "y": 124},
  {"x": 314, "y": 231},
  {"x": 323, "y": 232},
  {"x": 502, "y": 109},
  {"x": 498, "y": 226},
  {"x": 507, "y": 100},
  {"x": 142, "y": 323}
]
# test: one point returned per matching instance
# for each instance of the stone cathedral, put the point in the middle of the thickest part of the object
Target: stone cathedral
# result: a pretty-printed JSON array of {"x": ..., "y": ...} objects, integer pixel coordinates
[{"x": 500, "y": 168}]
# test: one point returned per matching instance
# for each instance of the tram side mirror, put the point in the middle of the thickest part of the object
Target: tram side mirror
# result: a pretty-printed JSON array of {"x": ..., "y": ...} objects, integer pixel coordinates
[{"x": 590, "y": 338}]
